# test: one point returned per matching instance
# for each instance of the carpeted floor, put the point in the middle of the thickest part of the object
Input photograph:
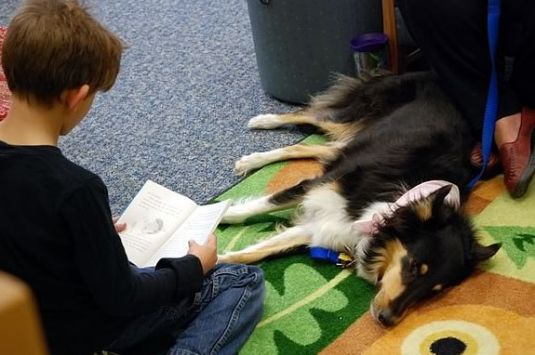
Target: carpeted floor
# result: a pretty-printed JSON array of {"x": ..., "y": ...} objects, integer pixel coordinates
[
  {"x": 313, "y": 307},
  {"x": 178, "y": 112},
  {"x": 178, "y": 116}
]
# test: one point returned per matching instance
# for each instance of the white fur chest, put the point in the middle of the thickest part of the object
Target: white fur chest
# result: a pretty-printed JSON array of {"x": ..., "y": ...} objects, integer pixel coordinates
[{"x": 326, "y": 220}]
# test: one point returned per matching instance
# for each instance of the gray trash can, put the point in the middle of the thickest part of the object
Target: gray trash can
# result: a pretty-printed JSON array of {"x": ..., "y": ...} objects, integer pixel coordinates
[{"x": 299, "y": 44}]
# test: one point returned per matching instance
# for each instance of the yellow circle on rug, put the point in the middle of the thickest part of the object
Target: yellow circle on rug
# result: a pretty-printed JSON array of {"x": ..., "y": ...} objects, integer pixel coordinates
[
  {"x": 454, "y": 329},
  {"x": 453, "y": 337}
]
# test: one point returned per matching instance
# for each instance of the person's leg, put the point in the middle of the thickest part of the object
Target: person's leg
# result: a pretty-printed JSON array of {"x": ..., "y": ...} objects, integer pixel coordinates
[
  {"x": 515, "y": 133},
  {"x": 452, "y": 36},
  {"x": 158, "y": 325},
  {"x": 226, "y": 311},
  {"x": 218, "y": 320},
  {"x": 523, "y": 76}
]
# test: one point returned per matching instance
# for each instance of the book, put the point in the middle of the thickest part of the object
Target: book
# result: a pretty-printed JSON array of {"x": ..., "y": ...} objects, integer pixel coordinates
[{"x": 161, "y": 222}]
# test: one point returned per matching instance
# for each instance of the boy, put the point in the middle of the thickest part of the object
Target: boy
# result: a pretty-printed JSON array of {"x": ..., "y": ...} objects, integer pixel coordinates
[{"x": 56, "y": 229}]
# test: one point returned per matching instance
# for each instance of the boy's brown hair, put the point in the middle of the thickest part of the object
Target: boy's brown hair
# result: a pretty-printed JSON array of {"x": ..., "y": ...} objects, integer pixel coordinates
[{"x": 55, "y": 45}]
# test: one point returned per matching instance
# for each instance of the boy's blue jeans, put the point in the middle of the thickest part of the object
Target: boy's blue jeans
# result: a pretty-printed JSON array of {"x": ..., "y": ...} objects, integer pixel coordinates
[{"x": 218, "y": 321}]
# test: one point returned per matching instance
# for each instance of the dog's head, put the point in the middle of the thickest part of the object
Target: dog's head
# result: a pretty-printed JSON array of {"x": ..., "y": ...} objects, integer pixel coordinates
[{"x": 418, "y": 251}]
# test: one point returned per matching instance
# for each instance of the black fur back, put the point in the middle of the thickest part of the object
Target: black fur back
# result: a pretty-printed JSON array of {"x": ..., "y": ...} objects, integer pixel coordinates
[{"x": 415, "y": 135}]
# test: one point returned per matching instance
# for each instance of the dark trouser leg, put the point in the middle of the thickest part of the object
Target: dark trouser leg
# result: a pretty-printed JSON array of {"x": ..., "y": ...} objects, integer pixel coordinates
[
  {"x": 523, "y": 77},
  {"x": 218, "y": 320},
  {"x": 453, "y": 37},
  {"x": 518, "y": 155},
  {"x": 226, "y": 311}
]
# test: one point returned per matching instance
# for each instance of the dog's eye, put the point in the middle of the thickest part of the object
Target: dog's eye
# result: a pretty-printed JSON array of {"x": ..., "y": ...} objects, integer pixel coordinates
[
  {"x": 417, "y": 269},
  {"x": 414, "y": 268}
]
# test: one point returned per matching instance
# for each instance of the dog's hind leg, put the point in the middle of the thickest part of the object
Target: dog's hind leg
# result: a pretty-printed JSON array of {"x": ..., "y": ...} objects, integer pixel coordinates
[
  {"x": 323, "y": 153},
  {"x": 271, "y": 120},
  {"x": 309, "y": 115},
  {"x": 287, "y": 240}
]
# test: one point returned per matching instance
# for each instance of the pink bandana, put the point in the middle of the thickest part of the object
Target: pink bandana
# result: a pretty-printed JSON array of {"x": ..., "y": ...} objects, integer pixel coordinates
[{"x": 419, "y": 192}]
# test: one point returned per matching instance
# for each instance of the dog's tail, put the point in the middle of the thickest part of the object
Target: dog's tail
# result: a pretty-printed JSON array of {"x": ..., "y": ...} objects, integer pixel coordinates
[{"x": 350, "y": 99}]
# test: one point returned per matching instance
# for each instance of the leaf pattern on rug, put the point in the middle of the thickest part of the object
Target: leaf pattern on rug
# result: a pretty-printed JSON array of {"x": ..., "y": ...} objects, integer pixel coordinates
[
  {"x": 238, "y": 237},
  {"x": 517, "y": 242},
  {"x": 285, "y": 312}
]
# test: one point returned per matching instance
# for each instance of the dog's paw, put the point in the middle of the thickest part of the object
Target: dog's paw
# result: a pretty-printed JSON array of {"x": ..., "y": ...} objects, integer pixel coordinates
[
  {"x": 266, "y": 121},
  {"x": 247, "y": 163}
]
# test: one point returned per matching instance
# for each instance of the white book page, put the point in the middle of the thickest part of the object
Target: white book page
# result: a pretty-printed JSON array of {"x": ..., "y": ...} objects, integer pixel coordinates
[
  {"x": 152, "y": 216},
  {"x": 198, "y": 226}
]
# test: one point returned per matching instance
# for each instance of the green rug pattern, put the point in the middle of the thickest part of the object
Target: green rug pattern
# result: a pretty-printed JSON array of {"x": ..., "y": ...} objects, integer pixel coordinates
[{"x": 313, "y": 306}]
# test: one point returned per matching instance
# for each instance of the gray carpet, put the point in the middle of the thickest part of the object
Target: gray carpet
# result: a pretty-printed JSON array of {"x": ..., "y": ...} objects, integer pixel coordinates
[{"x": 179, "y": 109}]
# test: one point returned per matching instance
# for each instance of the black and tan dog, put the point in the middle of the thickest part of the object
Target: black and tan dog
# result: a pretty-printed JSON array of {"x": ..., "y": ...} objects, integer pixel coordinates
[{"x": 395, "y": 174}]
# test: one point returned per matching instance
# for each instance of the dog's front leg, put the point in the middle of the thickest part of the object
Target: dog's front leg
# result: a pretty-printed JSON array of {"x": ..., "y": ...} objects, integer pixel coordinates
[
  {"x": 287, "y": 240},
  {"x": 241, "y": 210}
]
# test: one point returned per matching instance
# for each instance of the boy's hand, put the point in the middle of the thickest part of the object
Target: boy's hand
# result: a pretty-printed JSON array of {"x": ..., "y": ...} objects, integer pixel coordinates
[
  {"x": 119, "y": 227},
  {"x": 207, "y": 253}
]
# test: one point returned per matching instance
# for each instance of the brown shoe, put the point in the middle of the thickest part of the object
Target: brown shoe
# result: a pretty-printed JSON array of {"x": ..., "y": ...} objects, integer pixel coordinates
[{"x": 517, "y": 157}]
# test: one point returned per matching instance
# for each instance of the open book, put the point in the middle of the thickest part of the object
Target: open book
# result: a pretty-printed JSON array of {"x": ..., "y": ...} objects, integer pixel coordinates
[{"x": 160, "y": 222}]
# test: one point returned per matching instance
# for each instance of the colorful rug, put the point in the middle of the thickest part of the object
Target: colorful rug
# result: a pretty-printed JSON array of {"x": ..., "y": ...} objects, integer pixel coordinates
[{"x": 313, "y": 307}]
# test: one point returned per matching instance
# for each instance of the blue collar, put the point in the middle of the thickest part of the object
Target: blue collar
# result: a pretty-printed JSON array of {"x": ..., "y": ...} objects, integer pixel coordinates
[{"x": 340, "y": 259}]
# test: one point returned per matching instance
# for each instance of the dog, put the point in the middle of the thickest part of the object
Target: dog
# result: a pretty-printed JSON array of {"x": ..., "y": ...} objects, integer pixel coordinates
[{"x": 395, "y": 173}]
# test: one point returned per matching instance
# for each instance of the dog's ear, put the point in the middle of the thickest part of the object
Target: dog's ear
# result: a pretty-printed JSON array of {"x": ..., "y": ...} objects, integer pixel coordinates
[
  {"x": 481, "y": 253},
  {"x": 448, "y": 194},
  {"x": 444, "y": 202},
  {"x": 439, "y": 195}
]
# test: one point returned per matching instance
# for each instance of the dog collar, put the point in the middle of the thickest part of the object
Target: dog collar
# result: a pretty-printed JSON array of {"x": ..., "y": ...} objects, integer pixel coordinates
[
  {"x": 370, "y": 227},
  {"x": 343, "y": 260}
]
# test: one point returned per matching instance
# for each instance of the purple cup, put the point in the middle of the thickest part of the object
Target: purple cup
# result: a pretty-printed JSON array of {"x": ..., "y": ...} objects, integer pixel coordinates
[{"x": 369, "y": 52}]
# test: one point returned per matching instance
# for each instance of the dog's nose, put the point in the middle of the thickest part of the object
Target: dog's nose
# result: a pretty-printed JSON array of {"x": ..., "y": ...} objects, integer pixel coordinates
[{"x": 385, "y": 318}]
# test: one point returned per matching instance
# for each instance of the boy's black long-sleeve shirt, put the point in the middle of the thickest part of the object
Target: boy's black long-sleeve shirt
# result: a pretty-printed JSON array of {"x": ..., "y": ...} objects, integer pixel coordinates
[{"x": 57, "y": 235}]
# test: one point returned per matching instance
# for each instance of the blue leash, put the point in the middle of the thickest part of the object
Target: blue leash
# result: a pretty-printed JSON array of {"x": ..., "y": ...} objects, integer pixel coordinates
[{"x": 491, "y": 108}]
